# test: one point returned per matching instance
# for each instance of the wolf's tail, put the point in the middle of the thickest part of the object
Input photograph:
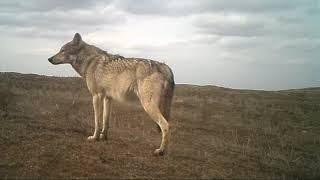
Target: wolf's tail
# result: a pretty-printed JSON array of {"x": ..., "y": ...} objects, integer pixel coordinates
[
  {"x": 167, "y": 72},
  {"x": 168, "y": 92}
]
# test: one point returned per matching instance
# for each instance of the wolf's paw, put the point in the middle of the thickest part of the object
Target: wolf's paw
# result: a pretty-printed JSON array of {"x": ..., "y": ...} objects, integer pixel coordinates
[
  {"x": 93, "y": 138},
  {"x": 103, "y": 136},
  {"x": 158, "y": 152}
]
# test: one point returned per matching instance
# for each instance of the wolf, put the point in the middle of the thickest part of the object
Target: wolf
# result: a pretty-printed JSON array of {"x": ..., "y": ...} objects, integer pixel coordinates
[{"x": 112, "y": 77}]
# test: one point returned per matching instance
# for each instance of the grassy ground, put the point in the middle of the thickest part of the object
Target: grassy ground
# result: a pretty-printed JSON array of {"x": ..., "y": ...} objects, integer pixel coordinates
[{"x": 216, "y": 133}]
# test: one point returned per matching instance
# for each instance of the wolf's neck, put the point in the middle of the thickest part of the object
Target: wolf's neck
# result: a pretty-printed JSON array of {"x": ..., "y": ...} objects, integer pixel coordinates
[
  {"x": 82, "y": 64},
  {"x": 77, "y": 68},
  {"x": 86, "y": 58}
]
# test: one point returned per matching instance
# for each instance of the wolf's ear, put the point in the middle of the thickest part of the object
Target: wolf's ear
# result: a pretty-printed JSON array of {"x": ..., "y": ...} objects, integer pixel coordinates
[{"x": 77, "y": 38}]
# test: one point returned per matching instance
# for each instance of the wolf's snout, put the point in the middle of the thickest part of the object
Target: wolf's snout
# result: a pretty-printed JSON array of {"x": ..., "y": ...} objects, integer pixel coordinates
[{"x": 50, "y": 59}]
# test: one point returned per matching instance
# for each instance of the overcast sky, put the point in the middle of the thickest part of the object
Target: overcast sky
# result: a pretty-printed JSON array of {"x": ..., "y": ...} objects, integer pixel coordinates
[{"x": 252, "y": 44}]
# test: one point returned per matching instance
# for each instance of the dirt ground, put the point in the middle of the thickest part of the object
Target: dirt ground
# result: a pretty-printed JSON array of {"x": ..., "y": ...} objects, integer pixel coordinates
[{"x": 215, "y": 133}]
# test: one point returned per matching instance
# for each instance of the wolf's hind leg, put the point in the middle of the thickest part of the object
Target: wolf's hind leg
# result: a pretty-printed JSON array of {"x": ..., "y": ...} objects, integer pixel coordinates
[
  {"x": 97, "y": 106},
  {"x": 106, "y": 117},
  {"x": 152, "y": 94},
  {"x": 155, "y": 114},
  {"x": 164, "y": 126},
  {"x": 165, "y": 105}
]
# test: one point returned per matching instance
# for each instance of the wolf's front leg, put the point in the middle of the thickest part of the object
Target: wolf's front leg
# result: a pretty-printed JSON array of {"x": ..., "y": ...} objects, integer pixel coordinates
[
  {"x": 106, "y": 117},
  {"x": 97, "y": 106}
]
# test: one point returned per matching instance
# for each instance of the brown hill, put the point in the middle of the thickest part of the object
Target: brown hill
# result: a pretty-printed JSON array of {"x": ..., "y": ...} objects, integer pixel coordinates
[{"x": 216, "y": 133}]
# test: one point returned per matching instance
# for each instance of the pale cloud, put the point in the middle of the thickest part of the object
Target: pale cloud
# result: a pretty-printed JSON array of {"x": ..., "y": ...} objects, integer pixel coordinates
[{"x": 230, "y": 24}]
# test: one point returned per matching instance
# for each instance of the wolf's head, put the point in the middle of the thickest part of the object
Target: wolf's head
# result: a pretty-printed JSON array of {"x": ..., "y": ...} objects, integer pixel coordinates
[{"x": 69, "y": 52}]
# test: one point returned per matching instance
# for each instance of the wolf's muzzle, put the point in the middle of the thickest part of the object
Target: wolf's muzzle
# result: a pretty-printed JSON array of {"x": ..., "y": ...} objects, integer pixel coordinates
[{"x": 50, "y": 59}]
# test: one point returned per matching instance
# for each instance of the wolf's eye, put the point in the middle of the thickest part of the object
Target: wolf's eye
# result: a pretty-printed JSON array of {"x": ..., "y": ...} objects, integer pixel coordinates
[{"x": 62, "y": 50}]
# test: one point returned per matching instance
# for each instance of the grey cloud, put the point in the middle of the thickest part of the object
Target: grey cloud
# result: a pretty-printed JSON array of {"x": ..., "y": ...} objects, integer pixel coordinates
[
  {"x": 296, "y": 23},
  {"x": 47, "y": 5},
  {"x": 226, "y": 27},
  {"x": 291, "y": 25},
  {"x": 54, "y": 18},
  {"x": 301, "y": 50},
  {"x": 271, "y": 50},
  {"x": 188, "y": 7},
  {"x": 291, "y": 18},
  {"x": 144, "y": 6},
  {"x": 39, "y": 32},
  {"x": 58, "y": 19},
  {"x": 251, "y": 6}
]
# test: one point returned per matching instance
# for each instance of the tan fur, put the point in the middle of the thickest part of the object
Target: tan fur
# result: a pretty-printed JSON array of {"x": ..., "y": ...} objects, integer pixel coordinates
[{"x": 113, "y": 77}]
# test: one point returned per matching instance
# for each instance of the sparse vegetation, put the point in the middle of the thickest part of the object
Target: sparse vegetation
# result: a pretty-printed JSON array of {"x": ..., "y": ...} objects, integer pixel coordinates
[{"x": 216, "y": 133}]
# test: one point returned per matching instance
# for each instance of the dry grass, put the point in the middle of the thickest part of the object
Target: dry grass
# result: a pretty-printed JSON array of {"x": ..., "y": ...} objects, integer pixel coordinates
[{"x": 216, "y": 133}]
